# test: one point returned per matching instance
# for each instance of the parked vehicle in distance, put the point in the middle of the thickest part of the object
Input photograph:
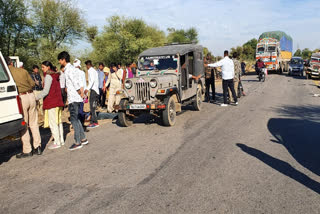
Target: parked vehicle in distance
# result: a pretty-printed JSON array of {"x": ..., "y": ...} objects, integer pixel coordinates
[
  {"x": 15, "y": 60},
  {"x": 167, "y": 78},
  {"x": 275, "y": 50},
  {"x": 11, "y": 114},
  {"x": 314, "y": 66},
  {"x": 296, "y": 66}
]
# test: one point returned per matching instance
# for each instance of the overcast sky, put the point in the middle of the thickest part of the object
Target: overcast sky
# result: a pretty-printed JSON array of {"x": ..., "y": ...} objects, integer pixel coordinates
[{"x": 221, "y": 24}]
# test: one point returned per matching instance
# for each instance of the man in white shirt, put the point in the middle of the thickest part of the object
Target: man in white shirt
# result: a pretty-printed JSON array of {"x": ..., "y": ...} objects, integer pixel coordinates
[
  {"x": 227, "y": 67},
  {"x": 83, "y": 84},
  {"x": 75, "y": 97},
  {"x": 93, "y": 86}
]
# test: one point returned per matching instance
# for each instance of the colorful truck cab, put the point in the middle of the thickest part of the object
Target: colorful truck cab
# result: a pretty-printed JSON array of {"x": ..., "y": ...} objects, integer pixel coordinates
[{"x": 275, "y": 50}]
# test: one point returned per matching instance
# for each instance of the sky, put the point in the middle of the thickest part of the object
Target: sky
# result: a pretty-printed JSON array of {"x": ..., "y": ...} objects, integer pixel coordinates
[{"x": 220, "y": 24}]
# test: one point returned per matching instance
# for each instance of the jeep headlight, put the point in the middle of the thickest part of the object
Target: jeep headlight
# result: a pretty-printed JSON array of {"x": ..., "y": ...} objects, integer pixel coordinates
[
  {"x": 128, "y": 84},
  {"x": 153, "y": 83}
]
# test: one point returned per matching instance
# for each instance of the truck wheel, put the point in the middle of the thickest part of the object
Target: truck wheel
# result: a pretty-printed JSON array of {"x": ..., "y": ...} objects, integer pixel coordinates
[
  {"x": 123, "y": 118},
  {"x": 169, "y": 114},
  {"x": 198, "y": 100}
]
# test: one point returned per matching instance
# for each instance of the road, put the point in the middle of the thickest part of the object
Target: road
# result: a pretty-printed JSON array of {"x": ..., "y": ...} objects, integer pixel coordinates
[{"x": 259, "y": 157}]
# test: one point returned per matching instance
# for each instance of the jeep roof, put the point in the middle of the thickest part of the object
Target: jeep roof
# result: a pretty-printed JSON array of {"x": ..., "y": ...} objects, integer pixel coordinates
[
  {"x": 172, "y": 50},
  {"x": 316, "y": 55}
]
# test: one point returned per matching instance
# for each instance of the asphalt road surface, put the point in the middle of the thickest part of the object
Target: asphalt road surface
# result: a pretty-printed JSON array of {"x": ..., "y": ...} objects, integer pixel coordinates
[{"x": 262, "y": 156}]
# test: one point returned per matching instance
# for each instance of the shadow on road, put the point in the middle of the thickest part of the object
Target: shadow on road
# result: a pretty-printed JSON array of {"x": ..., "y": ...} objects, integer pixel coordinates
[
  {"x": 299, "y": 134},
  {"x": 9, "y": 147},
  {"x": 282, "y": 167},
  {"x": 301, "y": 139}
]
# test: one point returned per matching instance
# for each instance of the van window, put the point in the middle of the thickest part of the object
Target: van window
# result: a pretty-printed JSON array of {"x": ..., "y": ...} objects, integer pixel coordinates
[{"x": 3, "y": 74}]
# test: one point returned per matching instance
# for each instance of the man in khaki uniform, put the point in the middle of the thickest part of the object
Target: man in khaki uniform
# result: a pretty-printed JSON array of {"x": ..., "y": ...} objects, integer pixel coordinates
[
  {"x": 115, "y": 81},
  {"x": 25, "y": 85},
  {"x": 237, "y": 73}
]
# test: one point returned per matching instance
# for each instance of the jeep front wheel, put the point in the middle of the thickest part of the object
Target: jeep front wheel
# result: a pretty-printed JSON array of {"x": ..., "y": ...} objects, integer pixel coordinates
[
  {"x": 123, "y": 118},
  {"x": 169, "y": 114}
]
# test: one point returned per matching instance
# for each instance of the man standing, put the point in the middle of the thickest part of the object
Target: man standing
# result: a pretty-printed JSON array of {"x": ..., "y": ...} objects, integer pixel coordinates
[
  {"x": 75, "y": 97},
  {"x": 83, "y": 84},
  {"x": 37, "y": 89},
  {"x": 237, "y": 73},
  {"x": 25, "y": 86},
  {"x": 115, "y": 81},
  {"x": 93, "y": 86},
  {"x": 62, "y": 81},
  {"x": 210, "y": 82},
  {"x": 227, "y": 68},
  {"x": 243, "y": 68},
  {"x": 102, "y": 93}
]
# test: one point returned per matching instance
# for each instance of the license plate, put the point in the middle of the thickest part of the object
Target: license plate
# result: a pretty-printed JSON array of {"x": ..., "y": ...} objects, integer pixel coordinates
[
  {"x": 138, "y": 106},
  {"x": 315, "y": 73}
]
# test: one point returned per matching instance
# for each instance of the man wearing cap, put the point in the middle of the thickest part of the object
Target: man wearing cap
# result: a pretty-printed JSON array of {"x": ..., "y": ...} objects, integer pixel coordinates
[
  {"x": 83, "y": 83},
  {"x": 93, "y": 86},
  {"x": 25, "y": 86}
]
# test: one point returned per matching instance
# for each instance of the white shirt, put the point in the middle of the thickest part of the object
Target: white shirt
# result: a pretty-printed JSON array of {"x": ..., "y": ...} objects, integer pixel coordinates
[
  {"x": 83, "y": 81},
  {"x": 73, "y": 84},
  {"x": 227, "y": 67},
  {"x": 62, "y": 80},
  {"x": 93, "y": 80}
]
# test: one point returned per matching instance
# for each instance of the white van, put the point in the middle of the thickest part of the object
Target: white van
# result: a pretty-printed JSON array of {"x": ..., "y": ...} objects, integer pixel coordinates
[{"x": 11, "y": 114}]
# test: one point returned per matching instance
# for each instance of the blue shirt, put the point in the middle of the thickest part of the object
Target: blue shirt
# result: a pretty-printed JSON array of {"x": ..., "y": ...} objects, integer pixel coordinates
[{"x": 101, "y": 78}]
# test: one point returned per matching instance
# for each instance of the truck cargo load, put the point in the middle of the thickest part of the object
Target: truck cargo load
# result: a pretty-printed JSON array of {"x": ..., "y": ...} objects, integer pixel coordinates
[
  {"x": 285, "y": 40},
  {"x": 274, "y": 48}
]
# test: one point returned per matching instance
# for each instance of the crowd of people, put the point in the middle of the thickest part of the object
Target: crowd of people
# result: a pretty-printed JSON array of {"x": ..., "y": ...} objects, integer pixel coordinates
[{"x": 49, "y": 94}]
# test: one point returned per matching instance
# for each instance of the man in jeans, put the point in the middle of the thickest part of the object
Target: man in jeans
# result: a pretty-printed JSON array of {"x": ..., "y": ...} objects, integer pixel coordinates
[
  {"x": 93, "y": 86},
  {"x": 102, "y": 93},
  {"x": 227, "y": 67},
  {"x": 75, "y": 97}
]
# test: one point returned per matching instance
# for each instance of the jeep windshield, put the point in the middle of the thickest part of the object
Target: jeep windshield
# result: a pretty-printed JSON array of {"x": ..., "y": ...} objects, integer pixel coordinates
[{"x": 149, "y": 63}]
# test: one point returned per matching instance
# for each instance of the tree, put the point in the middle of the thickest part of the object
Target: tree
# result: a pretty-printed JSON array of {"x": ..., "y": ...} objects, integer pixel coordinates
[
  {"x": 306, "y": 53},
  {"x": 298, "y": 53},
  {"x": 57, "y": 23},
  {"x": 182, "y": 36},
  {"x": 123, "y": 39},
  {"x": 92, "y": 32},
  {"x": 14, "y": 26},
  {"x": 247, "y": 51}
]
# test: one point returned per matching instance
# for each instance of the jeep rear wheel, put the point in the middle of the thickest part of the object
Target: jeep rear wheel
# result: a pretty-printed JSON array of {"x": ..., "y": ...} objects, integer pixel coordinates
[
  {"x": 169, "y": 114},
  {"x": 198, "y": 100}
]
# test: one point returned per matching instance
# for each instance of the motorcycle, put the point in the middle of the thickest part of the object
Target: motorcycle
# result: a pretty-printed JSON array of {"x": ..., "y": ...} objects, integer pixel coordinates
[{"x": 262, "y": 74}]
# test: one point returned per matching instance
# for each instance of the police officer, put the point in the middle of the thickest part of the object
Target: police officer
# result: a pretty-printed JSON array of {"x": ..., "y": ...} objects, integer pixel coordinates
[{"x": 25, "y": 86}]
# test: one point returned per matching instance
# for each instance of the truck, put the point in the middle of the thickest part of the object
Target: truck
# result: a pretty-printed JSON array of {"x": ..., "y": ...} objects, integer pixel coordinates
[
  {"x": 314, "y": 66},
  {"x": 274, "y": 48}
]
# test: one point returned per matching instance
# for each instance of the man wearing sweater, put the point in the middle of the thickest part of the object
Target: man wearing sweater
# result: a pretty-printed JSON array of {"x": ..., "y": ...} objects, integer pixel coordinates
[{"x": 227, "y": 67}]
